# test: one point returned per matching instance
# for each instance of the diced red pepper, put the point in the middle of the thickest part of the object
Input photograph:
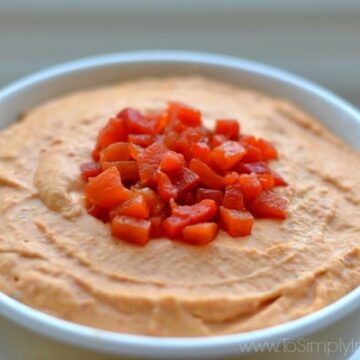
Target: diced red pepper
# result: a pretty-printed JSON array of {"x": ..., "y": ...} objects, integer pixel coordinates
[
  {"x": 216, "y": 195},
  {"x": 252, "y": 154},
  {"x": 201, "y": 151},
  {"x": 135, "y": 122},
  {"x": 203, "y": 211},
  {"x": 233, "y": 198},
  {"x": 231, "y": 178},
  {"x": 149, "y": 160},
  {"x": 135, "y": 151},
  {"x": 106, "y": 190},
  {"x": 184, "y": 180},
  {"x": 173, "y": 225},
  {"x": 186, "y": 114},
  {"x": 115, "y": 152},
  {"x": 173, "y": 153},
  {"x": 248, "y": 140},
  {"x": 236, "y": 222},
  {"x": 135, "y": 207},
  {"x": 189, "y": 199},
  {"x": 266, "y": 180},
  {"x": 143, "y": 140},
  {"x": 250, "y": 186},
  {"x": 258, "y": 167},
  {"x": 128, "y": 169},
  {"x": 207, "y": 175},
  {"x": 217, "y": 140},
  {"x": 200, "y": 234},
  {"x": 279, "y": 181},
  {"x": 228, "y": 154},
  {"x": 165, "y": 187},
  {"x": 90, "y": 169},
  {"x": 268, "y": 151},
  {"x": 135, "y": 231},
  {"x": 161, "y": 121},
  {"x": 97, "y": 211},
  {"x": 172, "y": 161},
  {"x": 269, "y": 204},
  {"x": 228, "y": 127},
  {"x": 154, "y": 203},
  {"x": 113, "y": 132},
  {"x": 156, "y": 226}
]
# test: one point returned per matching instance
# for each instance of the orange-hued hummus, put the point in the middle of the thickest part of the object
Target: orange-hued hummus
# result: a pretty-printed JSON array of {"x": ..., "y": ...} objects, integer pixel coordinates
[{"x": 58, "y": 259}]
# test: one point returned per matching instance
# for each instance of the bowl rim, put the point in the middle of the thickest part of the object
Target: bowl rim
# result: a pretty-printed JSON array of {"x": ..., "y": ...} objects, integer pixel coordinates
[{"x": 183, "y": 347}]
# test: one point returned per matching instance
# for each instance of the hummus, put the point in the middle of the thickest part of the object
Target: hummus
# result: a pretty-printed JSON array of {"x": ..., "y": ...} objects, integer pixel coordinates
[{"x": 58, "y": 259}]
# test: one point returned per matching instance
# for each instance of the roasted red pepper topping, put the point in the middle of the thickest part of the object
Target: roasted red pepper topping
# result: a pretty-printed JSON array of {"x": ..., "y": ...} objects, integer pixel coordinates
[{"x": 165, "y": 174}]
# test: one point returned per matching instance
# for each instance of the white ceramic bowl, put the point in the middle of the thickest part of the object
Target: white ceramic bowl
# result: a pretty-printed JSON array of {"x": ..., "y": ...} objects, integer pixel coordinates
[{"x": 336, "y": 114}]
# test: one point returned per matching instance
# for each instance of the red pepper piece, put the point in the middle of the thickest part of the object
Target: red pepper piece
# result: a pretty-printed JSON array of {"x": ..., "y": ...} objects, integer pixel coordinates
[
  {"x": 236, "y": 222},
  {"x": 135, "y": 231},
  {"x": 165, "y": 187},
  {"x": 97, "y": 211},
  {"x": 266, "y": 180},
  {"x": 135, "y": 151},
  {"x": 172, "y": 161},
  {"x": 135, "y": 122},
  {"x": 149, "y": 160},
  {"x": 203, "y": 211},
  {"x": 252, "y": 154},
  {"x": 90, "y": 169},
  {"x": 216, "y": 195},
  {"x": 154, "y": 203},
  {"x": 186, "y": 114},
  {"x": 156, "y": 226},
  {"x": 143, "y": 140},
  {"x": 228, "y": 154},
  {"x": 135, "y": 207},
  {"x": 217, "y": 140},
  {"x": 279, "y": 181},
  {"x": 128, "y": 169},
  {"x": 201, "y": 151},
  {"x": 173, "y": 225},
  {"x": 207, "y": 175},
  {"x": 261, "y": 167},
  {"x": 161, "y": 121},
  {"x": 233, "y": 198},
  {"x": 258, "y": 167},
  {"x": 184, "y": 180},
  {"x": 231, "y": 178},
  {"x": 106, "y": 189},
  {"x": 113, "y": 132},
  {"x": 250, "y": 186},
  {"x": 268, "y": 151},
  {"x": 228, "y": 127},
  {"x": 115, "y": 152},
  {"x": 200, "y": 234},
  {"x": 269, "y": 204}
]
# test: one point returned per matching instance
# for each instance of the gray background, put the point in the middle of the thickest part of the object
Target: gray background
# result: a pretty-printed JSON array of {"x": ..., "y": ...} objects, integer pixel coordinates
[{"x": 319, "y": 39}]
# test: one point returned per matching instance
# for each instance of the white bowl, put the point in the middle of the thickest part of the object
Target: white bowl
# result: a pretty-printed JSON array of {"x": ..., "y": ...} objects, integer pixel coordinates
[{"x": 335, "y": 113}]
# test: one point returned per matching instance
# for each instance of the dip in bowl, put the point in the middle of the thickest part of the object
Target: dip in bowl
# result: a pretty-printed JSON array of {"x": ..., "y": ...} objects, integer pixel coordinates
[{"x": 59, "y": 260}]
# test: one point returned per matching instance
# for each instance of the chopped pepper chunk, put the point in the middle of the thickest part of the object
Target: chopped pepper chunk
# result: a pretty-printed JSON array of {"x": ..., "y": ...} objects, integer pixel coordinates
[
  {"x": 269, "y": 204},
  {"x": 135, "y": 231},
  {"x": 228, "y": 154},
  {"x": 228, "y": 127},
  {"x": 200, "y": 234},
  {"x": 90, "y": 169},
  {"x": 236, "y": 222},
  {"x": 162, "y": 173},
  {"x": 106, "y": 190},
  {"x": 207, "y": 175}
]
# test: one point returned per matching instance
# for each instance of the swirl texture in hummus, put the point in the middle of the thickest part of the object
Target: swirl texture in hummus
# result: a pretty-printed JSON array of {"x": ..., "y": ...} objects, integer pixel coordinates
[{"x": 58, "y": 259}]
